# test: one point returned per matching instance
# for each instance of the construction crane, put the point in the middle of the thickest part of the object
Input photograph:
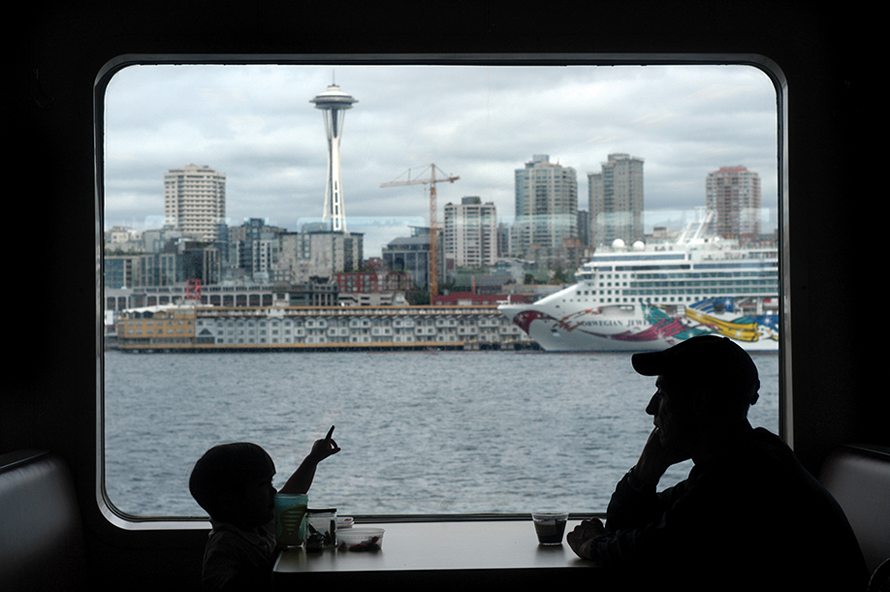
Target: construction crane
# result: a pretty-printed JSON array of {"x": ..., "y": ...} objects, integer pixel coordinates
[{"x": 434, "y": 235}]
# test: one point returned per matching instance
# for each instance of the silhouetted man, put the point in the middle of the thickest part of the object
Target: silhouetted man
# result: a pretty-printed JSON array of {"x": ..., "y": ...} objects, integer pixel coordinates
[{"x": 748, "y": 515}]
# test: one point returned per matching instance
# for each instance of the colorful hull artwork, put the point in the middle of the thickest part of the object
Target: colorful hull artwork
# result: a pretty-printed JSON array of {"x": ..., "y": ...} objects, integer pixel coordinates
[{"x": 643, "y": 327}]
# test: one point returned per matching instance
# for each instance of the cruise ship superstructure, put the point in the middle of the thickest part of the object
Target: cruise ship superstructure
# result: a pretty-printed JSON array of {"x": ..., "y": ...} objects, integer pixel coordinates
[{"x": 641, "y": 298}]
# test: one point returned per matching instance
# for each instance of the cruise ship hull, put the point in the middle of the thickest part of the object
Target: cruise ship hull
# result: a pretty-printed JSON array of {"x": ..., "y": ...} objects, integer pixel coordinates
[{"x": 639, "y": 327}]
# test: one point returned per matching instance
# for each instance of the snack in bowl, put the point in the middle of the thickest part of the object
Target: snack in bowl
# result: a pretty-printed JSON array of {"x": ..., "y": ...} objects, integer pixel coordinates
[{"x": 360, "y": 539}]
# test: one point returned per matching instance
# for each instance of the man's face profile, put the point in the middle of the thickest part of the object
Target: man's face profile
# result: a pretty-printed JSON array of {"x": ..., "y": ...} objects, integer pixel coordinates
[{"x": 672, "y": 415}]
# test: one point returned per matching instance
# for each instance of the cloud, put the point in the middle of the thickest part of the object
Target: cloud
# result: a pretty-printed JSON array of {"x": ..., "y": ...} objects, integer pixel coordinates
[{"x": 256, "y": 125}]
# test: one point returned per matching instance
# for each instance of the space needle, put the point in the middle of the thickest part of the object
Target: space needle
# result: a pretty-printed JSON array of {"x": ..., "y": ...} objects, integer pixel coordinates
[{"x": 334, "y": 102}]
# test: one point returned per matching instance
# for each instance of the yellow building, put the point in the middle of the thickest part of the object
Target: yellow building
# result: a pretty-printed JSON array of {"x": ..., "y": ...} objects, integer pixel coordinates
[{"x": 158, "y": 327}]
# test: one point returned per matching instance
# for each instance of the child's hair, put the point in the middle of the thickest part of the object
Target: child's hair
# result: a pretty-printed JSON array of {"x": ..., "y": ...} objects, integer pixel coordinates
[{"x": 227, "y": 468}]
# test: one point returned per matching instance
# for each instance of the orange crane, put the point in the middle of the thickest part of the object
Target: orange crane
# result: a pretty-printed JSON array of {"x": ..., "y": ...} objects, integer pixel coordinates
[{"x": 434, "y": 235}]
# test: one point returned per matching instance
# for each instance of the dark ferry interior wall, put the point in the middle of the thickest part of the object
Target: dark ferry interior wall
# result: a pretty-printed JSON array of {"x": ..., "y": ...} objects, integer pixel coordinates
[{"x": 831, "y": 302}]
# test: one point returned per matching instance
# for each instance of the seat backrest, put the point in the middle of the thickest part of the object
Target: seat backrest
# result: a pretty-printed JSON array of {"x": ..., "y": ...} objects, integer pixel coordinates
[
  {"x": 41, "y": 532},
  {"x": 859, "y": 479},
  {"x": 880, "y": 579}
]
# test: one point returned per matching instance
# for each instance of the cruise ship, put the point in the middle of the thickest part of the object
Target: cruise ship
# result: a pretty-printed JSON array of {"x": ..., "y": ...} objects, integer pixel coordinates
[{"x": 640, "y": 298}]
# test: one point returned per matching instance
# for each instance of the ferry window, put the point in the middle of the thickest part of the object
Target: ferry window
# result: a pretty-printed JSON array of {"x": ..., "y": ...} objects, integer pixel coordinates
[{"x": 217, "y": 204}]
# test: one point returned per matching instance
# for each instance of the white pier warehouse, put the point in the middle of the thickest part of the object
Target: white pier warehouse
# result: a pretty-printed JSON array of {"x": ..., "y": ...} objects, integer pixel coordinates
[{"x": 197, "y": 328}]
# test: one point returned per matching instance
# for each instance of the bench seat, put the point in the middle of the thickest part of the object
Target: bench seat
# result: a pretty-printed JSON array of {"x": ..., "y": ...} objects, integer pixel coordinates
[
  {"x": 41, "y": 531},
  {"x": 859, "y": 479}
]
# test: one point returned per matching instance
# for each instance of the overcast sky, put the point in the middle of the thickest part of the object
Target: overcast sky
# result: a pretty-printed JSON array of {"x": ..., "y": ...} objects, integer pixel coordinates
[{"x": 256, "y": 125}]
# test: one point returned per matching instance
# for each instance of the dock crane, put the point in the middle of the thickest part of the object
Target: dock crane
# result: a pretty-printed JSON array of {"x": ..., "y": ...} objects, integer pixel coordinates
[{"x": 434, "y": 235}]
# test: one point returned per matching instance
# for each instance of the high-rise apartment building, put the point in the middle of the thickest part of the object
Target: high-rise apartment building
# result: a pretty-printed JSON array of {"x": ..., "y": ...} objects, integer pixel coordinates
[
  {"x": 733, "y": 194},
  {"x": 546, "y": 205},
  {"x": 195, "y": 201},
  {"x": 471, "y": 233},
  {"x": 616, "y": 200}
]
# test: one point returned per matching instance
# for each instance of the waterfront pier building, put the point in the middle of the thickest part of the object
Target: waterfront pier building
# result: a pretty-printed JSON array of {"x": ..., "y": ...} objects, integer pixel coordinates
[{"x": 196, "y": 328}]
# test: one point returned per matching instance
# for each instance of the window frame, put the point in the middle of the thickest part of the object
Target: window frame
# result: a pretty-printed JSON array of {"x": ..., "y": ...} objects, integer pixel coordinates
[{"x": 771, "y": 69}]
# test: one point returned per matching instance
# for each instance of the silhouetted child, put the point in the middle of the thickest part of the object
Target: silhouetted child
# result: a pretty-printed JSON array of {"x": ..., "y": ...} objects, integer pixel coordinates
[{"x": 233, "y": 483}]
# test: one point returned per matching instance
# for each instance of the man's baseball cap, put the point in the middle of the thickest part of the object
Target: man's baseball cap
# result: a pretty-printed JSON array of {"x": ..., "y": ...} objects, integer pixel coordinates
[{"x": 708, "y": 359}]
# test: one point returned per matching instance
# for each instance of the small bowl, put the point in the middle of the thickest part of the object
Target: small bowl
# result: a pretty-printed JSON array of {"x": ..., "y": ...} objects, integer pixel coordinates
[{"x": 360, "y": 538}]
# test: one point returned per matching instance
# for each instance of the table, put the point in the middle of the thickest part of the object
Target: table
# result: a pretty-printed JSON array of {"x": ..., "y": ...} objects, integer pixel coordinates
[{"x": 465, "y": 554}]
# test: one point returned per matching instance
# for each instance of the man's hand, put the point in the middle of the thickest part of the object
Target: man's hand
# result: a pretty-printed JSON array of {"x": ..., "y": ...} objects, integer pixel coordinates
[
  {"x": 582, "y": 535},
  {"x": 654, "y": 461}
]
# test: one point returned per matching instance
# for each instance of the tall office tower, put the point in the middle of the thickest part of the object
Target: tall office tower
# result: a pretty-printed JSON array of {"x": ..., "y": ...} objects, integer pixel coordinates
[
  {"x": 471, "y": 233},
  {"x": 584, "y": 228},
  {"x": 254, "y": 247},
  {"x": 546, "y": 205},
  {"x": 503, "y": 240},
  {"x": 733, "y": 194},
  {"x": 334, "y": 102},
  {"x": 411, "y": 255},
  {"x": 616, "y": 200},
  {"x": 195, "y": 201}
]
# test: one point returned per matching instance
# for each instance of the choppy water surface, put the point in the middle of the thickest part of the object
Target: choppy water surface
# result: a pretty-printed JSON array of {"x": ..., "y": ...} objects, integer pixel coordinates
[{"x": 420, "y": 432}]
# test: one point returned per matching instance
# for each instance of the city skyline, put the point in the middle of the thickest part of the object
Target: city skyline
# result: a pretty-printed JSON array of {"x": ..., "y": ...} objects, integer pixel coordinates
[{"x": 255, "y": 124}]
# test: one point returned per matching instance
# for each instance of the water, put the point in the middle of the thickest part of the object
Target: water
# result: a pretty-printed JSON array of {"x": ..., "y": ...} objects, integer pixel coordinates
[{"x": 420, "y": 432}]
